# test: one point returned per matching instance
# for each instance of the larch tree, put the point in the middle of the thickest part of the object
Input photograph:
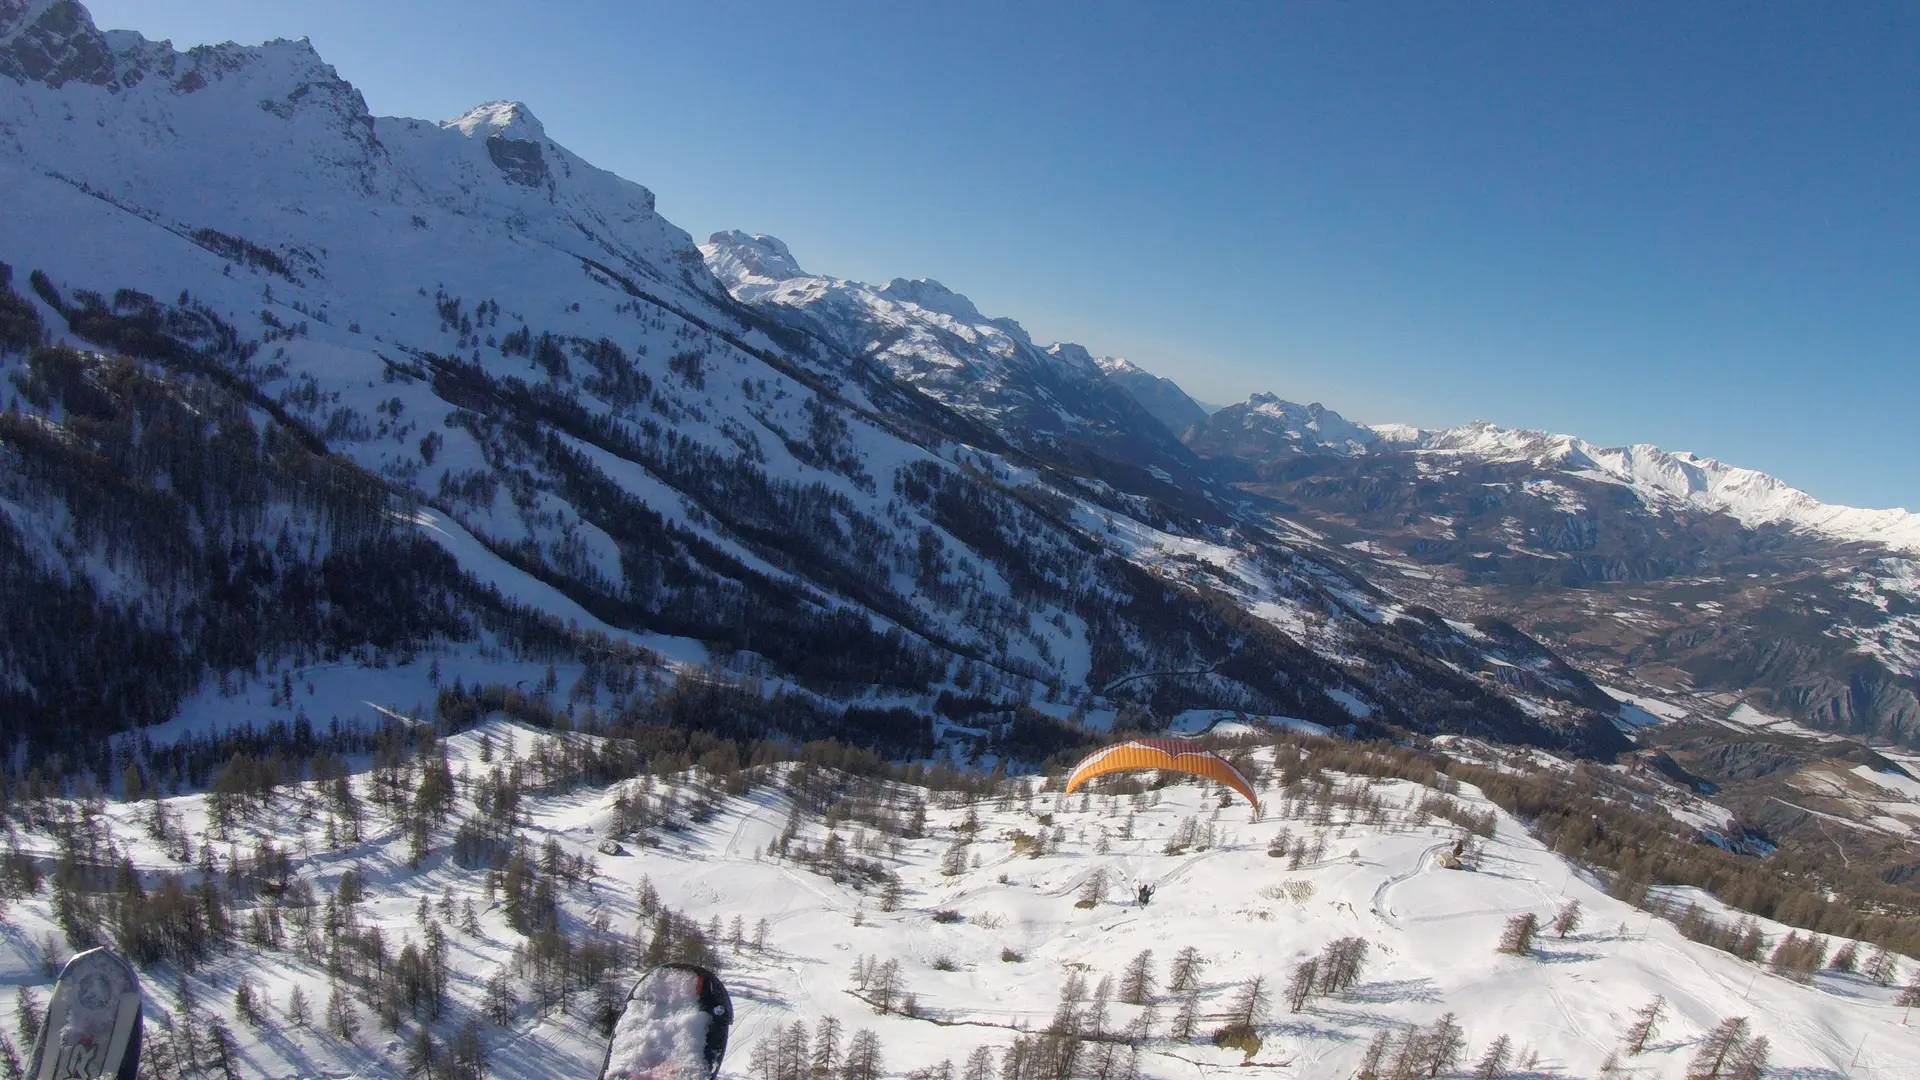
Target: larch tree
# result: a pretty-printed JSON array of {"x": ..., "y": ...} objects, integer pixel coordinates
[
  {"x": 1517, "y": 939},
  {"x": 1136, "y": 980},
  {"x": 1494, "y": 1063},
  {"x": 1187, "y": 964},
  {"x": 1301, "y": 984},
  {"x": 1567, "y": 919},
  {"x": 1646, "y": 1023},
  {"x": 1719, "y": 1049}
]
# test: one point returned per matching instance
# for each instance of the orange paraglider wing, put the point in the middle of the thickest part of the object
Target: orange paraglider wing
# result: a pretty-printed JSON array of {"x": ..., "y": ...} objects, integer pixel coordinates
[{"x": 1173, "y": 755}]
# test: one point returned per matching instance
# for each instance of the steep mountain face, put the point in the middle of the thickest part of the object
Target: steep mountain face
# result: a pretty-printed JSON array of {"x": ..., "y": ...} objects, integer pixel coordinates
[
  {"x": 1162, "y": 398},
  {"x": 1694, "y": 577},
  {"x": 1054, "y": 401},
  {"x": 1264, "y": 428},
  {"x": 496, "y": 410}
]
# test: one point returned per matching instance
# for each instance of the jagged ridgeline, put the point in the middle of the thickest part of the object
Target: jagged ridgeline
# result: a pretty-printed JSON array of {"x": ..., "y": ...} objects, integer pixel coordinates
[{"x": 402, "y": 390}]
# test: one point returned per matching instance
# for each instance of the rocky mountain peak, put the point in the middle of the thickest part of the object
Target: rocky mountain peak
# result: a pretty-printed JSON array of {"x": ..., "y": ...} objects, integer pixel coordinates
[
  {"x": 929, "y": 295},
  {"x": 499, "y": 119},
  {"x": 737, "y": 258},
  {"x": 53, "y": 42}
]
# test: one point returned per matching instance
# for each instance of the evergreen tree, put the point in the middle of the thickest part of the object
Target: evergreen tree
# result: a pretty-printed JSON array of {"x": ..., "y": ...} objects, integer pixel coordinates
[
  {"x": 1517, "y": 939},
  {"x": 1375, "y": 1056},
  {"x": 1136, "y": 980},
  {"x": 1444, "y": 1045},
  {"x": 1493, "y": 1064},
  {"x": 244, "y": 1004},
  {"x": 979, "y": 1064},
  {"x": 1911, "y": 995},
  {"x": 1567, "y": 919},
  {"x": 1186, "y": 969},
  {"x": 1250, "y": 1005},
  {"x": 298, "y": 1012},
  {"x": 422, "y": 1053},
  {"x": 10, "y": 1068},
  {"x": 1646, "y": 1023},
  {"x": 342, "y": 1019},
  {"x": 1188, "y": 1018},
  {"x": 220, "y": 1051},
  {"x": 863, "y": 1057},
  {"x": 1719, "y": 1049},
  {"x": 825, "y": 1064},
  {"x": 28, "y": 1015},
  {"x": 1881, "y": 966},
  {"x": 1750, "y": 1061},
  {"x": 1301, "y": 984},
  {"x": 1847, "y": 960}
]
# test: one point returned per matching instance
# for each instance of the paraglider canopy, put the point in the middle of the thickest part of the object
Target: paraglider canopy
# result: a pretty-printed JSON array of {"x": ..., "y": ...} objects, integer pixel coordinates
[{"x": 1172, "y": 755}]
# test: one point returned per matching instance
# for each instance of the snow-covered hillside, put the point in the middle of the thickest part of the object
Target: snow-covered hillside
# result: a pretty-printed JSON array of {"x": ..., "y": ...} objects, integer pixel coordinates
[{"x": 1012, "y": 920}]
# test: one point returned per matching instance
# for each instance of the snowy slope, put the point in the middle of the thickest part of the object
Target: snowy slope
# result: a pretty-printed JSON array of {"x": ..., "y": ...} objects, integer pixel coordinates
[{"x": 994, "y": 970}]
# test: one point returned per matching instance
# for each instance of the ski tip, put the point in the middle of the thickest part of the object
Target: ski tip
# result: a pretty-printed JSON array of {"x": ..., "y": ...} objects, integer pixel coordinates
[{"x": 92, "y": 1028}]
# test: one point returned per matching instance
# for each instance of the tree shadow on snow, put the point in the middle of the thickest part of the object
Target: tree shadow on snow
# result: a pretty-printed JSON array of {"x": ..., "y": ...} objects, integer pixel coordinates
[
  {"x": 1570, "y": 956},
  {"x": 1385, "y": 990},
  {"x": 1296, "y": 1024},
  {"x": 1806, "y": 1073}
]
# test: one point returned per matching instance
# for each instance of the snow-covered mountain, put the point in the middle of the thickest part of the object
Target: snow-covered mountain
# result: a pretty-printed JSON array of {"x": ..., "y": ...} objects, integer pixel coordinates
[
  {"x": 1052, "y": 399},
  {"x": 1163, "y": 398},
  {"x": 1265, "y": 427},
  {"x": 874, "y": 498}
]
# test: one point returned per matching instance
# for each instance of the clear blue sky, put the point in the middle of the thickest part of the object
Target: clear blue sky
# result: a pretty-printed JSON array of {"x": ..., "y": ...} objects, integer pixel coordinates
[{"x": 1689, "y": 224}]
